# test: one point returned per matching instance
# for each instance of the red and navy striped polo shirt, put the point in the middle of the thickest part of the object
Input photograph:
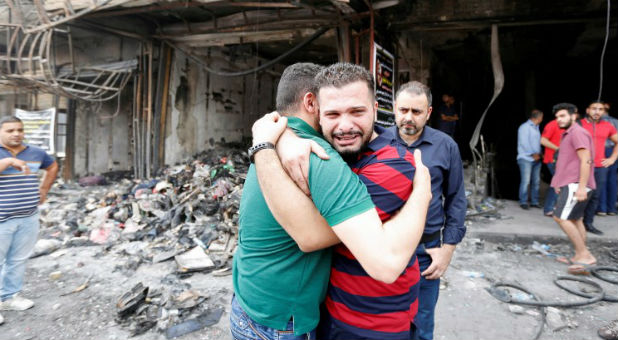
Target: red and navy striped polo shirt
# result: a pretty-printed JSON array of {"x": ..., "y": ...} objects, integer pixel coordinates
[{"x": 357, "y": 303}]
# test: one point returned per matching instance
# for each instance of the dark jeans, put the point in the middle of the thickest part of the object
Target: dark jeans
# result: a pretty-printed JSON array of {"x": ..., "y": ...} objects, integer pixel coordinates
[
  {"x": 427, "y": 296},
  {"x": 608, "y": 193},
  {"x": 600, "y": 176},
  {"x": 550, "y": 194}
]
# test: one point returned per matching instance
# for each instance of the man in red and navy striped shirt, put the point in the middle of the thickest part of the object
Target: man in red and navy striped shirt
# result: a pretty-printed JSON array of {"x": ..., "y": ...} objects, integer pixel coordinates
[{"x": 359, "y": 306}]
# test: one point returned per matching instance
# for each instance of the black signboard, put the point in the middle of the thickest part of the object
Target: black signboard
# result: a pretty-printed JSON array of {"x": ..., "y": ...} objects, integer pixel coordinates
[{"x": 384, "y": 75}]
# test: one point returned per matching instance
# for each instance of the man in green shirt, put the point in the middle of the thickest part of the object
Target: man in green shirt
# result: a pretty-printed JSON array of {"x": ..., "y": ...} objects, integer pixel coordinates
[{"x": 280, "y": 267}]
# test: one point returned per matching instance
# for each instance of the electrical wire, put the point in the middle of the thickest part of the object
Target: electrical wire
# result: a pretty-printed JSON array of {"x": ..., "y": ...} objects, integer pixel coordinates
[
  {"x": 603, "y": 52},
  {"x": 269, "y": 63}
]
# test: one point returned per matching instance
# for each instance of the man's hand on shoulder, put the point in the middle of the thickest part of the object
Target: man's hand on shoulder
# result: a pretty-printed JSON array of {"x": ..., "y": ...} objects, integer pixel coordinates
[
  {"x": 268, "y": 128},
  {"x": 294, "y": 153}
]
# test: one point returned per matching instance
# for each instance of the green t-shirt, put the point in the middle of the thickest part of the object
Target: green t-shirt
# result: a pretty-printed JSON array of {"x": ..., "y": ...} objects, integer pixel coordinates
[{"x": 274, "y": 280}]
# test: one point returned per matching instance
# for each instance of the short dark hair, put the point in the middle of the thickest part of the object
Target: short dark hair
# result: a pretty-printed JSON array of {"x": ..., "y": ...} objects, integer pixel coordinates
[
  {"x": 296, "y": 80},
  {"x": 342, "y": 74},
  {"x": 597, "y": 102},
  {"x": 417, "y": 88},
  {"x": 10, "y": 119},
  {"x": 572, "y": 109},
  {"x": 536, "y": 113}
]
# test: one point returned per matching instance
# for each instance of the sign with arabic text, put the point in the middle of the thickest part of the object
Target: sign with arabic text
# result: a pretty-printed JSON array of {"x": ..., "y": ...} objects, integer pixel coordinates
[
  {"x": 39, "y": 127},
  {"x": 384, "y": 75}
]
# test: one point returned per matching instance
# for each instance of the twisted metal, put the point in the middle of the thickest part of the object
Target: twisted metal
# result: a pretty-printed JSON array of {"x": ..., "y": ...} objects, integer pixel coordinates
[{"x": 29, "y": 59}]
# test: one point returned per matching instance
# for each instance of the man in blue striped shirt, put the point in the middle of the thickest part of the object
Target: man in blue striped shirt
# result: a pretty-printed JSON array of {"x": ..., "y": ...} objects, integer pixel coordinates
[{"x": 20, "y": 195}]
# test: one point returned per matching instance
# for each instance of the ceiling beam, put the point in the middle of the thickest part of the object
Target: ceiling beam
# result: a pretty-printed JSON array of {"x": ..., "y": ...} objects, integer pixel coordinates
[
  {"x": 480, "y": 23},
  {"x": 203, "y": 4},
  {"x": 258, "y": 19},
  {"x": 234, "y": 38}
]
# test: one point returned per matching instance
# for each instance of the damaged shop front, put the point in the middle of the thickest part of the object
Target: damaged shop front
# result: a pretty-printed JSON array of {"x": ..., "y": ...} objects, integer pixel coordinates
[{"x": 152, "y": 106}]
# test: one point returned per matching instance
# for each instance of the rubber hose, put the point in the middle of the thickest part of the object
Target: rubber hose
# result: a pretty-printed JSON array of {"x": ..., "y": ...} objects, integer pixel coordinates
[
  {"x": 518, "y": 287},
  {"x": 595, "y": 272},
  {"x": 589, "y": 301},
  {"x": 608, "y": 298}
]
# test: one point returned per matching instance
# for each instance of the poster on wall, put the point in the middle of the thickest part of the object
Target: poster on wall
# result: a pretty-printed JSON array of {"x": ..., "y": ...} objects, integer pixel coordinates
[
  {"x": 39, "y": 127},
  {"x": 384, "y": 75}
]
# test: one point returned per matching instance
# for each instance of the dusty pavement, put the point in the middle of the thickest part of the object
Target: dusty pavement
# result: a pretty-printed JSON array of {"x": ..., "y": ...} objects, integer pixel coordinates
[{"x": 494, "y": 250}]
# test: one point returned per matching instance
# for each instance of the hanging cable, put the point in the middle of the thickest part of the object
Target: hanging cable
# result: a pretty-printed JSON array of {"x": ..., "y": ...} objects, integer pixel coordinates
[
  {"x": 269, "y": 63},
  {"x": 603, "y": 52}
]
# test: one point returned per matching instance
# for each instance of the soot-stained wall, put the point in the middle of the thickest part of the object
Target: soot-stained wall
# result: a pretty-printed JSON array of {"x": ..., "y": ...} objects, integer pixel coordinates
[{"x": 206, "y": 108}]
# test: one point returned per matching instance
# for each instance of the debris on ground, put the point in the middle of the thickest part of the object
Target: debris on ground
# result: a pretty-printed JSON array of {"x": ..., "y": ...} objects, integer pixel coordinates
[
  {"x": 556, "y": 319},
  {"x": 188, "y": 213},
  {"x": 487, "y": 210}
]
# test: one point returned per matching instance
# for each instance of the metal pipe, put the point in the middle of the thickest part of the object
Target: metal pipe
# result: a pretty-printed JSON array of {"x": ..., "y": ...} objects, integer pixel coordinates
[{"x": 149, "y": 118}]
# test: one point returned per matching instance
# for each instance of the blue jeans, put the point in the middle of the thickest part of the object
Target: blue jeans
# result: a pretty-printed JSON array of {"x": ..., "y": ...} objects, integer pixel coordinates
[
  {"x": 530, "y": 173},
  {"x": 17, "y": 239},
  {"x": 550, "y": 194},
  {"x": 607, "y": 194},
  {"x": 244, "y": 328},
  {"x": 600, "y": 177},
  {"x": 427, "y": 296}
]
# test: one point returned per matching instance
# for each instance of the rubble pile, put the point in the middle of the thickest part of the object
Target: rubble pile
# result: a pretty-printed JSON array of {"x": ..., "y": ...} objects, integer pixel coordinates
[
  {"x": 186, "y": 207},
  {"x": 188, "y": 213},
  {"x": 175, "y": 311}
]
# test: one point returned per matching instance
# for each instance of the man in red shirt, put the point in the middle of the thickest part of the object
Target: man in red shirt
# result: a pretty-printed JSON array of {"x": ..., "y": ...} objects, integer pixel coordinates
[
  {"x": 550, "y": 139},
  {"x": 573, "y": 182},
  {"x": 600, "y": 131}
]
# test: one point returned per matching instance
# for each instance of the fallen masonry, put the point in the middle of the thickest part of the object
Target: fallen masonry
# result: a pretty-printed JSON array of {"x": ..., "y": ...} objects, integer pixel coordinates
[{"x": 189, "y": 214}]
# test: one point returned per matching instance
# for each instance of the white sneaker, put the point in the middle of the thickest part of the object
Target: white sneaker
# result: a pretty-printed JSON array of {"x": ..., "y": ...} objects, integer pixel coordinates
[
  {"x": 1, "y": 319},
  {"x": 16, "y": 303}
]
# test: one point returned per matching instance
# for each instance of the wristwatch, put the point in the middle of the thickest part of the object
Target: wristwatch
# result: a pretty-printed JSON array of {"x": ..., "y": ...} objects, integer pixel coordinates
[{"x": 259, "y": 146}]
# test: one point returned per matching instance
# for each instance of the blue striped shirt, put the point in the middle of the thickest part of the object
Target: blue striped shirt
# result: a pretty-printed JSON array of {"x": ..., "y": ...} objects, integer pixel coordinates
[{"x": 19, "y": 193}]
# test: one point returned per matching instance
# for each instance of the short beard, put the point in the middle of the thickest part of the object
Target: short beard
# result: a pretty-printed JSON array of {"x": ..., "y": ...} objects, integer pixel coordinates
[
  {"x": 567, "y": 126},
  {"x": 408, "y": 131},
  {"x": 352, "y": 156}
]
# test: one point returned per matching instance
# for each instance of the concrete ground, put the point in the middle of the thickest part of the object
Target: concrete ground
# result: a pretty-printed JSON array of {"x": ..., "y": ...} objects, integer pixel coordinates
[
  {"x": 495, "y": 249},
  {"x": 499, "y": 249},
  {"x": 519, "y": 224}
]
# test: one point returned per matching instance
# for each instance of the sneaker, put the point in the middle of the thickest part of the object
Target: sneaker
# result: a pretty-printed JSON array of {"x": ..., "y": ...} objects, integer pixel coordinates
[
  {"x": 538, "y": 206},
  {"x": 601, "y": 213},
  {"x": 524, "y": 206},
  {"x": 611, "y": 213},
  {"x": 1, "y": 319},
  {"x": 16, "y": 303}
]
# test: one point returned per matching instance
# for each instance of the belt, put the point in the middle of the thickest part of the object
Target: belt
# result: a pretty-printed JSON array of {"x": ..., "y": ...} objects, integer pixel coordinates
[{"x": 430, "y": 237}]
